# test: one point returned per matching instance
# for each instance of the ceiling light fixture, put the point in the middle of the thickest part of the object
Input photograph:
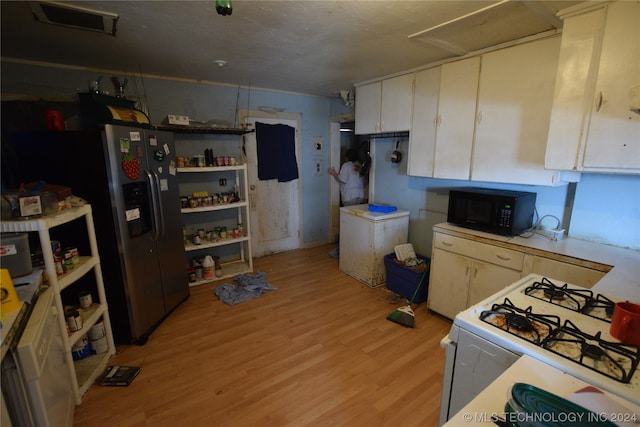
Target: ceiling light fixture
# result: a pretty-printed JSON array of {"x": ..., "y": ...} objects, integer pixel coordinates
[
  {"x": 69, "y": 15},
  {"x": 223, "y": 7},
  {"x": 221, "y": 63}
]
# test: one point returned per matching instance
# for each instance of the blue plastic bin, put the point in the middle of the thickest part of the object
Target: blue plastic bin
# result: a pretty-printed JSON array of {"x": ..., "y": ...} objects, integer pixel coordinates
[{"x": 404, "y": 280}]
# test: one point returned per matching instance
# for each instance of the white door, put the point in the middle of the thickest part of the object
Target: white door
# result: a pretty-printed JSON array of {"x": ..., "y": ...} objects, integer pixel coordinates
[{"x": 275, "y": 206}]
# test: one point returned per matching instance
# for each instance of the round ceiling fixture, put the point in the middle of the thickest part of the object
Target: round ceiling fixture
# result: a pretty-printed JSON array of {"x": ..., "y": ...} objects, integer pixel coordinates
[{"x": 221, "y": 63}]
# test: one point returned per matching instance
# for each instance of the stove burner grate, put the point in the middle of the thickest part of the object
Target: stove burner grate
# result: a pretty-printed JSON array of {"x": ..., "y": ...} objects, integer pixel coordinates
[
  {"x": 522, "y": 323},
  {"x": 573, "y": 299},
  {"x": 612, "y": 359},
  {"x": 600, "y": 307}
]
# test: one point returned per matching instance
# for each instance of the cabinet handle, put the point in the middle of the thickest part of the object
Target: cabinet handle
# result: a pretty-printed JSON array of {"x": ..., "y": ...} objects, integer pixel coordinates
[
  {"x": 466, "y": 272},
  {"x": 599, "y": 102},
  {"x": 475, "y": 272},
  {"x": 503, "y": 257},
  {"x": 447, "y": 244}
]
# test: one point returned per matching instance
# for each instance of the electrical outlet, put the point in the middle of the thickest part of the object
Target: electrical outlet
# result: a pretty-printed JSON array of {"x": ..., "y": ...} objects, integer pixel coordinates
[
  {"x": 317, "y": 168},
  {"x": 222, "y": 182},
  {"x": 553, "y": 234}
]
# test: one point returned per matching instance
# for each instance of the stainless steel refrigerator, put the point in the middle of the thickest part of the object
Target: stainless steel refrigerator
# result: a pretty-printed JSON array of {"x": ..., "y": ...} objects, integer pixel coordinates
[{"x": 128, "y": 175}]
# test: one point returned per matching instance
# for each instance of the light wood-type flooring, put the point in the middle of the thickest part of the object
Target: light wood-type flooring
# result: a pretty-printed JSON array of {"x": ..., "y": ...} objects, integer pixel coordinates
[{"x": 318, "y": 351}]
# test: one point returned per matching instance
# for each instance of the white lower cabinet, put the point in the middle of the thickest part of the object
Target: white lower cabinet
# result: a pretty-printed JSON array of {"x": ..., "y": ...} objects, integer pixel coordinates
[
  {"x": 464, "y": 272},
  {"x": 469, "y": 266}
]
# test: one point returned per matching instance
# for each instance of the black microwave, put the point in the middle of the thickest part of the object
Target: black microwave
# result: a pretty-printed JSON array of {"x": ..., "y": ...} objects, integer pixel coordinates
[{"x": 495, "y": 211}]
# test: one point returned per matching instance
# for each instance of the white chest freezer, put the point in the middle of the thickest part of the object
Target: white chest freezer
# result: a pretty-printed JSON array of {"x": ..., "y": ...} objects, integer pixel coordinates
[{"x": 366, "y": 237}]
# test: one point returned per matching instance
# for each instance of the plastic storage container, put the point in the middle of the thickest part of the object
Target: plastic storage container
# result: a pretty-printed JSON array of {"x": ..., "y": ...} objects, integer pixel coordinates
[
  {"x": 404, "y": 280},
  {"x": 14, "y": 253}
]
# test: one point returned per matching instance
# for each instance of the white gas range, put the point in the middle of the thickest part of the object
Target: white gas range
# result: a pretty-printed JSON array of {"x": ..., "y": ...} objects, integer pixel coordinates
[{"x": 562, "y": 325}]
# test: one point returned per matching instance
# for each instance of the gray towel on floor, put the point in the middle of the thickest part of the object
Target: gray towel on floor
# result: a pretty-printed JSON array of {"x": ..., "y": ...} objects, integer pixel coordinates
[{"x": 248, "y": 287}]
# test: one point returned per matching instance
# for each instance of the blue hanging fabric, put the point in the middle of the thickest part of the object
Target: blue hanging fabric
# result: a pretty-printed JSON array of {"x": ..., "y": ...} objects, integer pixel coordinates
[{"x": 276, "y": 151}]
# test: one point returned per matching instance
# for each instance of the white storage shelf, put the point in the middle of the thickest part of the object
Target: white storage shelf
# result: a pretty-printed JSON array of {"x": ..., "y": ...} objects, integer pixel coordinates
[
  {"x": 83, "y": 372},
  {"x": 242, "y": 262},
  {"x": 218, "y": 207},
  {"x": 220, "y": 242}
]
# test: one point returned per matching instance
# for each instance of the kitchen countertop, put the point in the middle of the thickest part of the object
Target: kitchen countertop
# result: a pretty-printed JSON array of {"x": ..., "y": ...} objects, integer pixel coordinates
[
  {"x": 622, "y": 280},
  {"x": 492, "y": 400}
]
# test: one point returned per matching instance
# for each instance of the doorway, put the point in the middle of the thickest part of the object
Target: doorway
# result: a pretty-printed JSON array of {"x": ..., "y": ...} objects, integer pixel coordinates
[{"x": 343, "y": 138}]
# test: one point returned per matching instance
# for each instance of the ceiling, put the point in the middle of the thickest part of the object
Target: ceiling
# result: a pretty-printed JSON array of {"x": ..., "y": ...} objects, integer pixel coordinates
[{"x": 302, "y": 46}]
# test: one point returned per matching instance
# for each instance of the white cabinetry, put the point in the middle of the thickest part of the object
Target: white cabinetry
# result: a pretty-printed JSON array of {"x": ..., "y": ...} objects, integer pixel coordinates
[
  {"x": 422, "y": 137},
  {"x": 456, "y": 118},
  {"x": 592, "y": 127},
  {"x": 215, "y": 214},
  {"x": 486, "y": 118},
  {"x": 514, "y": 104},
  {"x": 384, "y": 106},
  {"x": 464, "y": 272},
  {"x": 468, "y": 266},
  {"x": 84, "y": 371}
]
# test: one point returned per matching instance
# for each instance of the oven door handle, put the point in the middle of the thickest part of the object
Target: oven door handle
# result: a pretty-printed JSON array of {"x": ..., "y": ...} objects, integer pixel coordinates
[{"x": 445, "y": 342}]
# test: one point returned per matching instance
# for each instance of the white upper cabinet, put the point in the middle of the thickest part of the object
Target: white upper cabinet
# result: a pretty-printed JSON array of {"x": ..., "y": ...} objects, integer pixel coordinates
[
  {"x": 456, "y": 118},
  {"x": 368, "y": 103},
  {"x": 422, "y": 136},
  {"x": 592, "y": 127},
  {"x": 514, "y": 104},
  {"x": 384, "y": 106}
]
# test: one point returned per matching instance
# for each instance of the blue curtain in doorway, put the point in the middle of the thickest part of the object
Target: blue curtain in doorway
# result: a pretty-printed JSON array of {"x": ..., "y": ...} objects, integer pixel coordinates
[{"x": 276, "y": 152}]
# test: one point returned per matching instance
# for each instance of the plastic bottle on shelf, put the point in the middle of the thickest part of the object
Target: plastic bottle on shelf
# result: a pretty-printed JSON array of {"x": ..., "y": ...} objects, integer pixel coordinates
[{"x": 207, "y": 267}]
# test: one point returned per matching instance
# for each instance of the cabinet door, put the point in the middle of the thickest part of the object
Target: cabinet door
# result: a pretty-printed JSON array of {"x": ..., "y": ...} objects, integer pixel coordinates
[
  {"x": 514, "y": 104},
  {"x": 422, "y": 138},
  {"x": 448, "y": 282},
  {"x": 368, "y": 99},
  {"x": 487, "y": 279},
  {"x": 397, "y": 102},
  {"x": 614, "y": 133},
  {"x": 574, "y": 89},
  {"x": 456, "y": 118}
]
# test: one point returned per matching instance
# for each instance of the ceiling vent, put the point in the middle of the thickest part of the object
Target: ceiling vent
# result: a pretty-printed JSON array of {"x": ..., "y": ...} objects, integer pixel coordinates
[{"x": 69, "y": 15}]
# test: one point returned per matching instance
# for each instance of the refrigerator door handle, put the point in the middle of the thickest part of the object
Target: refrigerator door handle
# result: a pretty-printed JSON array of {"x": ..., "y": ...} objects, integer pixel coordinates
[{"x": 158, "y": 220}]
